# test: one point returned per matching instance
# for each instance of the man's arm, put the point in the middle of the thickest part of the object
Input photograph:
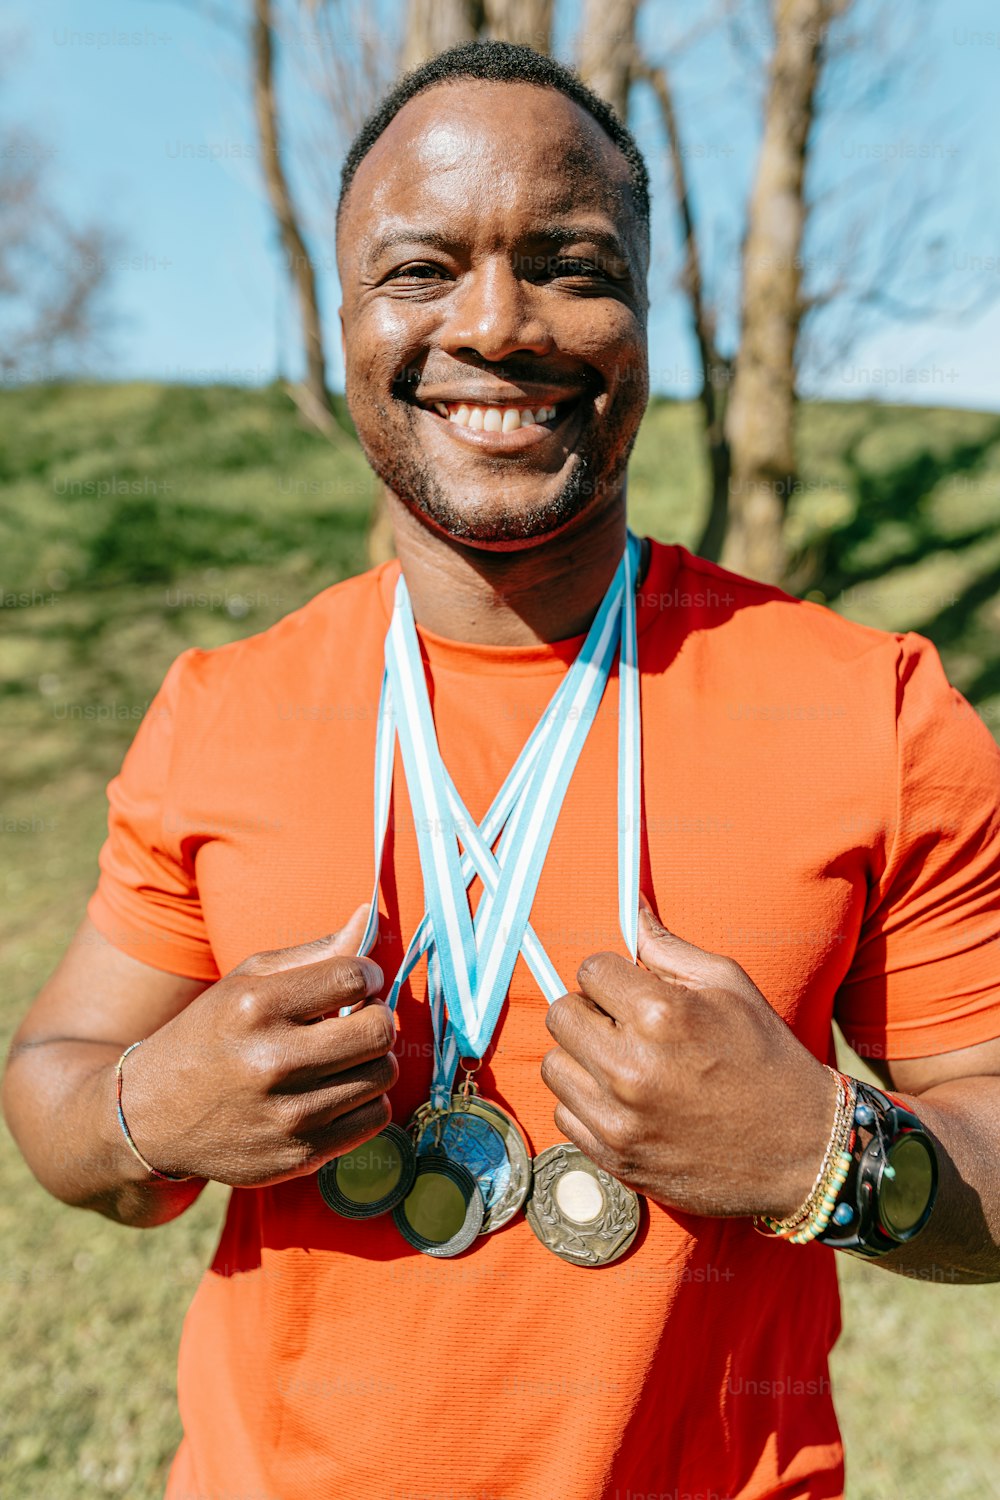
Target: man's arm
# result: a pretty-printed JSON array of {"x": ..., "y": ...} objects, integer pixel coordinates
[
  {"x": 956, "y": 1097},
  {"x": 249, "y": 1081},
  {"x": 59, "y": 1084}
]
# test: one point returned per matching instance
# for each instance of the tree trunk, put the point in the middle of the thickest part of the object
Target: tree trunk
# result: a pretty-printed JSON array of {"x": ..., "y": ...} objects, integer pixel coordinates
[
  {"x": 716, "y": 370},
  {"x": 607, "y": 46},
  {"x": 315, "y": 397},
  {"x": 760, "y": 419},
  {"x": 433, "y": 25},
  {"x": 526, "y": 21}
]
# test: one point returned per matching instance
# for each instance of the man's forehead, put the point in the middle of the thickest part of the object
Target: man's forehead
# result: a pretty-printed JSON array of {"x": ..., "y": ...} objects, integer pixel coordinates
[{"x": 511, "y": 134}]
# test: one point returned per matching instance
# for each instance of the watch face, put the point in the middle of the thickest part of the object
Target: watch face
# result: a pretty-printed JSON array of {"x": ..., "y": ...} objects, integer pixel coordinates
[{"x": 903, "y": 1199}]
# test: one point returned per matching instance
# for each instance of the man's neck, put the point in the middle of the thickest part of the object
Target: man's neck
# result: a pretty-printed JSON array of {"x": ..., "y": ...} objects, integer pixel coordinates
[{"x": 547, "y": 592}]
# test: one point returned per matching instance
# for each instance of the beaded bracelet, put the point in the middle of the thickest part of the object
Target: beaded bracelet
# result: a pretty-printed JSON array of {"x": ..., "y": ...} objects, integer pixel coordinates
[
  {"x": 840, "y": 1165},
  {"x": 815, "y": 1213},
  {"x": 162, "y": 1176}
]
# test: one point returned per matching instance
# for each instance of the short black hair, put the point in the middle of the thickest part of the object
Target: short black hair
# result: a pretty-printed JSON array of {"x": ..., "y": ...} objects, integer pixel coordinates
[{"x": 502, "y": 62}]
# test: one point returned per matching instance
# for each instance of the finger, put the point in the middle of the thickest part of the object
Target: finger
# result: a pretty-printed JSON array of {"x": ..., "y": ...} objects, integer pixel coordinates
[
  {"x": 346, "y": 940},
  {"x": 623, "y": 991},
  {"x": 337, "y": 1094},
  {"x": 337, "y": 1044},
  {"x": 584, "y": 1031},
  {"x": 584, "y": 1112},
  {"x": 307, "y": 991},
  {"x": 572, "y": 1083},
  {"x": 667, "y": 955},
  {"x": 580, "y": 1134},
  {"x": 345, "y": 1132}
]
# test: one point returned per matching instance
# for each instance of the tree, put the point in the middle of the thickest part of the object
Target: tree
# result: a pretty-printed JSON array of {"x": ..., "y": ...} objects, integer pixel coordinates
[
  {"x": 715, "y": 370},
  {"x": 313, "y": 396},
  {"x": 55, "y": 274},
  {"x": 607, "y": 50},
  {"x": 761, "y": 411},
  {"x": 433, "y": 25}
]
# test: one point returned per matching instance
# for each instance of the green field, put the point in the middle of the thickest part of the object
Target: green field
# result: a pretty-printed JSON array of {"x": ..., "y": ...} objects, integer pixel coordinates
[{"x": 137, "y": 520}]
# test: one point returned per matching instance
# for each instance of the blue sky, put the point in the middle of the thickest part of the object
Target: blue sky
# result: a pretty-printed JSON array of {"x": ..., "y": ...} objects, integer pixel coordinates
[{"x": 143, "y": 107}]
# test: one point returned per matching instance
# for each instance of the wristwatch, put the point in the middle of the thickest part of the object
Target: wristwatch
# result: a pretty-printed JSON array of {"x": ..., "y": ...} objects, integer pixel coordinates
[{"x": 892, "y": 1182}]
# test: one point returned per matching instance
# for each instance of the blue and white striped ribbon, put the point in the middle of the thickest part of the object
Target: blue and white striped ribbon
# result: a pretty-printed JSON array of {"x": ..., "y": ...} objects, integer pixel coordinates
[{"x": 470, "y": 963}]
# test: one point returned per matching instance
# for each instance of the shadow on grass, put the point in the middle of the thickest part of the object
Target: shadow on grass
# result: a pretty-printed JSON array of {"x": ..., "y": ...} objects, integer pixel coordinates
[
  {"x": 894, "y": 499},
  {"x": 894, "y": 496}
]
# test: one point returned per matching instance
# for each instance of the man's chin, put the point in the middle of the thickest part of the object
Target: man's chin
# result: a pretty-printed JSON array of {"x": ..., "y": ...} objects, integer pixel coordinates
[
  {"x": 513, "y": 521},
  {"x": 488, "y": 525}
]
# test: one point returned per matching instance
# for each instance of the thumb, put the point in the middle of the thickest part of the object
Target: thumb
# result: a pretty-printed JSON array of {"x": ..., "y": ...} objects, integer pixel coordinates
[
  {"x": 666, "y": 954},
  {"x": 343, "y": 943}
]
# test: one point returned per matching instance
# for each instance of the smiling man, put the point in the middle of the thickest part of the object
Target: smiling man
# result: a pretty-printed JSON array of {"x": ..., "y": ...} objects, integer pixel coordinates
[{"x": 626, "y": 1211}]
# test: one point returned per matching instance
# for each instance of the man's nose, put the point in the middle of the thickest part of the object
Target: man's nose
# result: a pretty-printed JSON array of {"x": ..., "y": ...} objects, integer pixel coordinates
[{"x": 494, "y": 313}]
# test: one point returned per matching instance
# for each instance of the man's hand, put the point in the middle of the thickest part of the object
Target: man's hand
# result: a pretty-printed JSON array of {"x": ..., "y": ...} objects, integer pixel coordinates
[
  {"x": 259, "y": 1079},
  {"x": 681, "y": 1081}
]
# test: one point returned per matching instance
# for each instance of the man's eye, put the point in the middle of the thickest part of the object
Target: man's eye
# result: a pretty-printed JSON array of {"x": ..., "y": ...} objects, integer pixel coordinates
[
  {"x": 573, "y": 266},
  {"x": 416, "y": 271}
]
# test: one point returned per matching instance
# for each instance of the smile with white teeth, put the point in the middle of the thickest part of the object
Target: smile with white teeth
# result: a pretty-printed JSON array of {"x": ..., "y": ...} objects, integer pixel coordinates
[{"x": 492, "y": 418}]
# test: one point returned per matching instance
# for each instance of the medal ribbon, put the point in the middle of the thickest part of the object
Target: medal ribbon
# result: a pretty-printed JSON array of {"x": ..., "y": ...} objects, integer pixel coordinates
[{"x": 470, "y": 963}]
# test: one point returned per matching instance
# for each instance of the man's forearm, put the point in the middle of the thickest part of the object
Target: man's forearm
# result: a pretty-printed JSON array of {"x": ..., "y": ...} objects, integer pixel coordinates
[
  {"x": 961, "y": 1242},
  {"x": 59, "y": 1099}
]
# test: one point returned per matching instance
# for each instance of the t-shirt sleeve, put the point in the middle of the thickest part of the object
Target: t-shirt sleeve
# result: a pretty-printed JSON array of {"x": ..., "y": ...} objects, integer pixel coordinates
[
  {"x": 925, "y": 977},
  {"x": 146, "y": 902}
]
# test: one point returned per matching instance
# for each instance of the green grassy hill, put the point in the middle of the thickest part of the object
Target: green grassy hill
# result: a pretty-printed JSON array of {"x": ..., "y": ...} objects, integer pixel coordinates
[{"x": 136, "y": 520}]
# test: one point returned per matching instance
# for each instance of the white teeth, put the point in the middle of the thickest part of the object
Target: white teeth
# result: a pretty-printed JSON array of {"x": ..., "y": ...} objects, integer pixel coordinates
[{"x": 494, "y": 418}]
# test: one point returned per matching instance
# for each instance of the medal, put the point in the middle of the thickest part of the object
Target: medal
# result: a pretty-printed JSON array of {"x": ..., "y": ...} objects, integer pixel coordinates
[
  {"x": 487, "y": 1141},
  {"x": 472, "y": 1171},
  {"x": 371, "y": 1179},
  {"x": 582, "y": 1214},
  {"x": 443, "y": 1211}
]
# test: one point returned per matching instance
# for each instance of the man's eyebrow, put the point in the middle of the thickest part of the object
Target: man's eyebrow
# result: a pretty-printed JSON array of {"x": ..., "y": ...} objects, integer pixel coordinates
[
  {"x": 411, "y": 234},
  {"x": 553, "y": 234},
  {"x": 572, "y": 234}
]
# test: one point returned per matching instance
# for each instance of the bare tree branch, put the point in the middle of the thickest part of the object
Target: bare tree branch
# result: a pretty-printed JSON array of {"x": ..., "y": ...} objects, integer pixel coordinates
[
  {"x": 298, "y": 261},
  {"x": 715, "y": 370}
]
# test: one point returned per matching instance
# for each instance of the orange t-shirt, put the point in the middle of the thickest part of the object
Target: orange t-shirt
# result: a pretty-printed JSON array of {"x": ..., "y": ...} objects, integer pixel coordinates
[{"x": 818, "y": 804}]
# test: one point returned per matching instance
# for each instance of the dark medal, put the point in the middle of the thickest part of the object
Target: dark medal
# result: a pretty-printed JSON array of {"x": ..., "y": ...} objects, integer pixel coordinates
[
  {"x": 371, "y": 1179},
  {"x": 443, "y": 1211}
]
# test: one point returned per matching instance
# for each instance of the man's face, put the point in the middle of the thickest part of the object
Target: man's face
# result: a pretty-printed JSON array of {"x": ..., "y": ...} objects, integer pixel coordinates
[{"x": 493, "y": 270}]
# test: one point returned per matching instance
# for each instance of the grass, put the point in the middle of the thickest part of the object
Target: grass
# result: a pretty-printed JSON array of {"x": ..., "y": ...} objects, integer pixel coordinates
[{"x": 139, "y": 519}]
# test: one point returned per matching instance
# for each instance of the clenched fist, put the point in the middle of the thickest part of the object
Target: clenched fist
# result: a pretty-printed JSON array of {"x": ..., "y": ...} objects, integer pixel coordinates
[
  {"x": 680, "y": 1080},
  {"x": 259, "y": 1079}
]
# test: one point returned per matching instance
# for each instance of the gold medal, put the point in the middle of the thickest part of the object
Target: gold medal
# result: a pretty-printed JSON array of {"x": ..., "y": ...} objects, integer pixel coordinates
[{"x": 578, "y": 1211}]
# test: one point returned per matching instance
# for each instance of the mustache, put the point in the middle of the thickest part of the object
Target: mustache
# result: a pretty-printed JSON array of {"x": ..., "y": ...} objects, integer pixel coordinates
[{"x": 510, "y": 373}]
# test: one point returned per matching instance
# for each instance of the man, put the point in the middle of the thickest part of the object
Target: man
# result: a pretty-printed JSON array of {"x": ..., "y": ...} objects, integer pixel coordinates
[{"x": 819, "y": 833}]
